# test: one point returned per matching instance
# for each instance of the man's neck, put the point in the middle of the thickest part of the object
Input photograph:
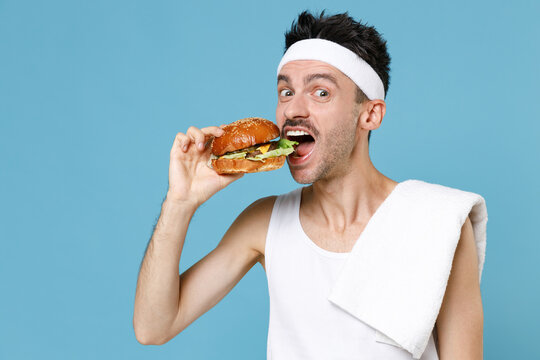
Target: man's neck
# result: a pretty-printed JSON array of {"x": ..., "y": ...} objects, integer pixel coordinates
[{"x": 348, "y": 199}]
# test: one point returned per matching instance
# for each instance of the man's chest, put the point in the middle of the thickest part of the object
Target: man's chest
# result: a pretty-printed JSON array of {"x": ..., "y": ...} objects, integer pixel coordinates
[{"x": 340, "y": 241}]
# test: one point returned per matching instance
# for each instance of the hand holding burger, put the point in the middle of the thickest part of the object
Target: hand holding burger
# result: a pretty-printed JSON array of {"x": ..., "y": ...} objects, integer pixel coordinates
[
  {"x": 201, "y": 157},
  {"x": 191, "y": 181}
]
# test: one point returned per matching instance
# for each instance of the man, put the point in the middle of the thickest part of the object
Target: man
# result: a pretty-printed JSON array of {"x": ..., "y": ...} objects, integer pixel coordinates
[{"x": 346, "y": 190}]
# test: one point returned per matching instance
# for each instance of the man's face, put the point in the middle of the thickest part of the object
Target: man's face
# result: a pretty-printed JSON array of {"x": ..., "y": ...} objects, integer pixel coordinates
[{"x": 317, "y": 99}]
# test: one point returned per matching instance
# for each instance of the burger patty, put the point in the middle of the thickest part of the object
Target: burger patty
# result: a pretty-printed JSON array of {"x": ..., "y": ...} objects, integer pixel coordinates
[
  {"x": 273, "y": 146},
  {"x": 252, "y": 148}
]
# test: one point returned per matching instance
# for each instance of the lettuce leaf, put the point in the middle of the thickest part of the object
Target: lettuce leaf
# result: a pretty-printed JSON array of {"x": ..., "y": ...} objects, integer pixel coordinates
[
  {"x": 285, "y": 147},
  {"x": 285, "y": 144},
  {"x": 273, "y": 153},
  {"x": 238, "y": 155}
]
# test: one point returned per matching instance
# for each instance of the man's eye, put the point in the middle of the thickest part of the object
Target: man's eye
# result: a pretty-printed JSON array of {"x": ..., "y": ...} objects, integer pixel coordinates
[
  {"x": 285, "y": 92},
  {"x": 321, "y": 92}
]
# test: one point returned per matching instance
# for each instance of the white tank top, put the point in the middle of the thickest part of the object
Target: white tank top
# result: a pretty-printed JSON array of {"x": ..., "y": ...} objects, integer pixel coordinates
[{"x": 303, "y": 323}]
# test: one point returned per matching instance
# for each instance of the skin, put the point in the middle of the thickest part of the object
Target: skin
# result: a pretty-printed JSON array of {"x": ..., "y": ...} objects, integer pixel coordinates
[{"x": 346, "y": 190}]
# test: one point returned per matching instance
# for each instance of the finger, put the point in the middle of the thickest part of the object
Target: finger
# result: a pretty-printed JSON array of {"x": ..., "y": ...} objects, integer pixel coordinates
[
  {"x": 182, "y": 140},
  {"x": 197, "y": 136},
  {"x": 213, "y": 131}
]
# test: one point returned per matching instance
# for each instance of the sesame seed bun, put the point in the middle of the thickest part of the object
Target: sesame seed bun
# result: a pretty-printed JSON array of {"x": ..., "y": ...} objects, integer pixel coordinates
[
  {"x": 234, "y": 166},
  {"x": 244, "y": 133}
]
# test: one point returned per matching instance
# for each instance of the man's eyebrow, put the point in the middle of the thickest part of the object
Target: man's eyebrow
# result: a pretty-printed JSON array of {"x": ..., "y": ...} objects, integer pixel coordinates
[
  {"x": 282, "y": 78},
  {"x": 328, "y": 77},
  {"x": 309, "y": 78}
]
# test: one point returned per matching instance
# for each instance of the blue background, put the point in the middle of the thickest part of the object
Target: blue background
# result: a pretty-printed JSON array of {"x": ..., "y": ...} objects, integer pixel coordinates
[{"x": 93, "y": 93}]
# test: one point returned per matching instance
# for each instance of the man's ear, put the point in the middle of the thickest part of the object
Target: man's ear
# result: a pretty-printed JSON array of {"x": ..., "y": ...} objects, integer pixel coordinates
[{"x": 370, "y": 118}]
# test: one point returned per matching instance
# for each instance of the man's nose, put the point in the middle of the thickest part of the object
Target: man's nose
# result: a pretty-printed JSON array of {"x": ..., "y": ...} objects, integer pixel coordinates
[{"x": 296, "y": 107}]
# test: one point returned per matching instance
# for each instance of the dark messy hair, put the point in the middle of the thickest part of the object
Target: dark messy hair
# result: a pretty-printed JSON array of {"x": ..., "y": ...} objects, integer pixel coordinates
[{"x": 360, "y": 38}]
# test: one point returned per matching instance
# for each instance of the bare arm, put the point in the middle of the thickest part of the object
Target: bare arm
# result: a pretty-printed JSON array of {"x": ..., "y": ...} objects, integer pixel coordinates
[
  {"x": 157, "y": 294},
  {"x": 460, "y": 320},
  {"x": 208, "y": 281},
  {"x": 191, "y": 183}
]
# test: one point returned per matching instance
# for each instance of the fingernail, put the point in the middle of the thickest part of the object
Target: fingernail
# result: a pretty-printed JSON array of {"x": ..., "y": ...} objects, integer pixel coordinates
[
  {"x": 185, "y": 147},
  {"x": 200, "y": 145}
]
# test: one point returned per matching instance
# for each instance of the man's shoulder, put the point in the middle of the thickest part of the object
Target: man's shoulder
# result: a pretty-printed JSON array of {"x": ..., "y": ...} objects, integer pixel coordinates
[
  {"x": 251, "y": 225},
  {"x": 420, "y": 189},
  {"x": 263, "y": 206},
  {"x": 254, "y": 220},
  {"x": 260, "y": 207}
]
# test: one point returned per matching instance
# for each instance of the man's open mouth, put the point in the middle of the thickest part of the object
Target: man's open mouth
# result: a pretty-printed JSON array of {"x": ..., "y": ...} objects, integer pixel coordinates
[{"x": 305, "y": 140}]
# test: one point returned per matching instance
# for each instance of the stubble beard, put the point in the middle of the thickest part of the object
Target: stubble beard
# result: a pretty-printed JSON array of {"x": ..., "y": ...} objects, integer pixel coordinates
[{"x": 334, "y": 150}]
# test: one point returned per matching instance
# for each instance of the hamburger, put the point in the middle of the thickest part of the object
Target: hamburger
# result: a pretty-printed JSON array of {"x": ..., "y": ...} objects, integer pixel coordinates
[{"x": 246, "y": 146}]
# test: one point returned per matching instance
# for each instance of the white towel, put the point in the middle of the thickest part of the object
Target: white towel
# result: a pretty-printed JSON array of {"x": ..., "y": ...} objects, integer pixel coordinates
[{"x": 395, "y": 278}]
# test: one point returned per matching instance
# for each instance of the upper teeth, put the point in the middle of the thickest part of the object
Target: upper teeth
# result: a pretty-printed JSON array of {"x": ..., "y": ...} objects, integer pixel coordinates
[{"x": 296, "y": 133}]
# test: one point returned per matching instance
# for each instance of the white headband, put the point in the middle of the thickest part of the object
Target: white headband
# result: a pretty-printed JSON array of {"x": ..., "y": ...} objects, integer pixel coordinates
[{"x": 352, "y": 65}]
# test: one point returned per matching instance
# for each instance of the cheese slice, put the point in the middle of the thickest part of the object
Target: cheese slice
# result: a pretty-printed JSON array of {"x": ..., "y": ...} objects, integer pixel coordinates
[{"x": 264, "y": 148}]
